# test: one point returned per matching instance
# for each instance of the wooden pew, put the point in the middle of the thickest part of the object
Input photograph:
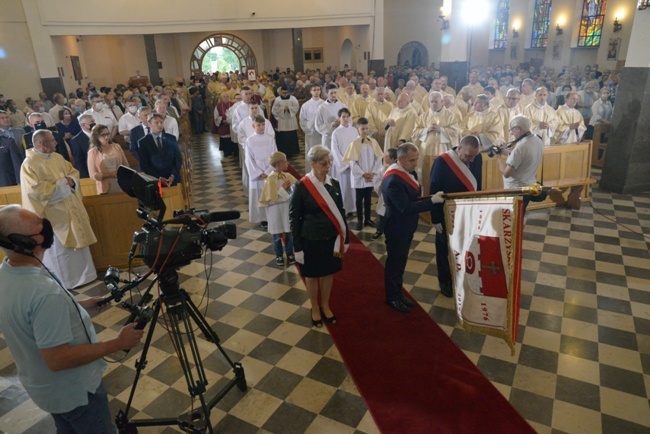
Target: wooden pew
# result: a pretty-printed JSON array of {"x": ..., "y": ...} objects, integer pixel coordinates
[
  {"x": 112, "y": 217},
  {"x": 599, "y": 146}
]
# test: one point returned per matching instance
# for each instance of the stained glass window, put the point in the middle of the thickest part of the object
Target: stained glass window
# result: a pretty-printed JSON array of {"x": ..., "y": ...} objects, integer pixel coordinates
[
  {"x": 591, "y": 24},
  {"x": 541, "y": 19},
  {"x": 501, "y": 28}
]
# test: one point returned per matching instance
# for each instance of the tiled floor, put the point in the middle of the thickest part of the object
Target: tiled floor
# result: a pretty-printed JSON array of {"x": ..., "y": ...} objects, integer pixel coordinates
[{"x": 582, "y": 363}]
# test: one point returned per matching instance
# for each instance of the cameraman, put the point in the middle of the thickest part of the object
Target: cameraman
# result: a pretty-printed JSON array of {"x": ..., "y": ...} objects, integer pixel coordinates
[
  {"x": 50, "y": 334},
  {"x": 524, "y": 156}
]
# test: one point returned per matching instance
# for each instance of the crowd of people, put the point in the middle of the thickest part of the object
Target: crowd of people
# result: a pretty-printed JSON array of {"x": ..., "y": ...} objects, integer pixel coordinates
[{"x": 385, "y": 132}]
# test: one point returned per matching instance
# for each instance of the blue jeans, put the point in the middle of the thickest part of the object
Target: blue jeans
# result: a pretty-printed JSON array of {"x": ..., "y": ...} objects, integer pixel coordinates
[
  {"x": 288, "y": 244},
  {"x": 93, "y": 418}
]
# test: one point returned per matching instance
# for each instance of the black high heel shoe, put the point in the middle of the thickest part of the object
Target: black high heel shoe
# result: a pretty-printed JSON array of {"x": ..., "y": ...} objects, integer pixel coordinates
[
  {"x": 316, "y": 323},
  {"x": 328, "y": 319}
]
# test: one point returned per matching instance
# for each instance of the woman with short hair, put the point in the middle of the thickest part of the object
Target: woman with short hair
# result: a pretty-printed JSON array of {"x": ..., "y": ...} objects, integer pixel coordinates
[{"x": 320, "y": 232}]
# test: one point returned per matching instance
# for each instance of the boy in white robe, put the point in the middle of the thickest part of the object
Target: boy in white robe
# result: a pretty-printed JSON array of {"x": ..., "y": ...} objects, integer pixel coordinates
[
  {"x": 259, "y": 148},
  {"x": 364, "y": 157},
  {"x": 342, "y": 136},
  {"x": 275, "y": 198},
  {"x": 246, "y": 129}
]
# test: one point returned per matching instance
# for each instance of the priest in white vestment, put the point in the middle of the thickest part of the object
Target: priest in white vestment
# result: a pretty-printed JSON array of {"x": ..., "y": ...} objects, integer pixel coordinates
[
  {"x": 508, "y": 110},
  {"x": 377, "y": 113},
  {"x": 400, "y": 122},
  {"x": 543, "y": 119},
  {"x": 436, "y": 131},
  {"x": 484, "y": 124},
  {"x": 572, "y": 126},
  {"x": 50, "y": 188}
]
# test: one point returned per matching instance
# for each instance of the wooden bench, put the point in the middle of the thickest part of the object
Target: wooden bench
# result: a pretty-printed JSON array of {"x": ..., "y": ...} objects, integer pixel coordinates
[
  {"x": 599, "y": 147},
  {"x": 574, "y": 198}
]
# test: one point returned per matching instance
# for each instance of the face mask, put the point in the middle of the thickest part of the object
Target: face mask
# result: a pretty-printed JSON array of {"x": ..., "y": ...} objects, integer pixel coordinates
[
  {"x": 15, "y": 107},
  {"x": 40, "y": 125},
  {"x": 41, "y": 109},
  {"x": 138, "y": 95},
  {"x": 48, "y": 234},
  {"x": 132, "y": 109},
  {"x": 139, "y": 105},
  {"x": 99, "y": 106},
  {"x": 78, "y": 109},
  {"x": 65, "y": 101},
  {"x": 2, "y": 100},
  {"x": 180, "y": 83},
  {"x": 91, "y": 126}
]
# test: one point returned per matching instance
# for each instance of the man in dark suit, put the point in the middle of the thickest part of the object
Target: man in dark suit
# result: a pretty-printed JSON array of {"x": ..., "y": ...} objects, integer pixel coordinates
[
  {"x": 80, "y": 143},
  {"x": 159, "y": 153},
  {"x": 12, "y": 152},
  {"x": 36, "y": 122},
  {"x": 401, "y": 190},
  {"x": 139, "y": 132},
  {"x": 454, "y": 171}
]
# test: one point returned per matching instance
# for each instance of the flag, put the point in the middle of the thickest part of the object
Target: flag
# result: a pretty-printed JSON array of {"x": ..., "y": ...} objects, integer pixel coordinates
[{"x": 485, "y": 239}]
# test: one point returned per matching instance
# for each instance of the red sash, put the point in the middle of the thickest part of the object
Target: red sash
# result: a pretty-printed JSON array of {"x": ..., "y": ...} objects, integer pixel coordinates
[
  {"x": 405, "y": 176},
  {"x": 457, "y": 171},
  {"x": 320, "y": 200}
]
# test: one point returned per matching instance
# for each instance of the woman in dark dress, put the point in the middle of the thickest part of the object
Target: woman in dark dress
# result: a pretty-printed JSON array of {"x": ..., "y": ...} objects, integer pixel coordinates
[{"x": 320, "y": 232}]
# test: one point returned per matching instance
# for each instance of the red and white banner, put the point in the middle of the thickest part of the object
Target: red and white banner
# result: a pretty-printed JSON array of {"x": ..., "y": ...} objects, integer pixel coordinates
[{"x": 485, "y": 237}]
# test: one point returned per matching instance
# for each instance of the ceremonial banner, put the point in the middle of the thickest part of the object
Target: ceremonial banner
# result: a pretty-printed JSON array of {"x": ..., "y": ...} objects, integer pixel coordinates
[{"x": 485, "y": 236}]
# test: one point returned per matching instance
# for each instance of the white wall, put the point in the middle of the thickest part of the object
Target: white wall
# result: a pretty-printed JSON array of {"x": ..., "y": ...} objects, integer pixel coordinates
[{"x": 19, "y": 76}]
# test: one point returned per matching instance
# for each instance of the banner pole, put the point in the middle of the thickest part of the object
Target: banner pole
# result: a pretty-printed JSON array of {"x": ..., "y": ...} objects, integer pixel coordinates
[{"x": 533, "y": 190}]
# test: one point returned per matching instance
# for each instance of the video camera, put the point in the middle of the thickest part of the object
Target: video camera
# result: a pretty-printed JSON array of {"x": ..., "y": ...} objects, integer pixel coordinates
[
  {"x": 173, "y": 243},
  {"x": 498, "y": 150}
]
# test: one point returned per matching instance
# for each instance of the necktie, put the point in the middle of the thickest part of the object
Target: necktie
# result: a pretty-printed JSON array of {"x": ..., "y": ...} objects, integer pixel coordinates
[
  {"x": 146, "y": 130},
  {"x": 159, "y": 143}
]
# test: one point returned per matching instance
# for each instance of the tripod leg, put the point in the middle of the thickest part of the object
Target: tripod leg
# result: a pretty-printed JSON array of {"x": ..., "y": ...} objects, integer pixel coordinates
[{"x": 122, "y": 418}]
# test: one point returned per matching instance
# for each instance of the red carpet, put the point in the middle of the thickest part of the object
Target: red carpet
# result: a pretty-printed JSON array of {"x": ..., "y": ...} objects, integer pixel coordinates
[{"x": 413, "y": 378}]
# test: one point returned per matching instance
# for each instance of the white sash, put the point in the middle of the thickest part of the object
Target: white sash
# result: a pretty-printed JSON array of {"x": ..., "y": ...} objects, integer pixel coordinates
[{"x": 463, "y": 167}]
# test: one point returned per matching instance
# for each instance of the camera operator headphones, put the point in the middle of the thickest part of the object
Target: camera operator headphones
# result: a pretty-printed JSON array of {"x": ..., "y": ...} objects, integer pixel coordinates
[{"x": 18, "y": 243}]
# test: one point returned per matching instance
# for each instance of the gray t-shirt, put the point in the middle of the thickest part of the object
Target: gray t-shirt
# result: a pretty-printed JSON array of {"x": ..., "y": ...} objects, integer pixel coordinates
[
  {"x": 35, "y": 314},
  {"x": 525, "y": 159}
]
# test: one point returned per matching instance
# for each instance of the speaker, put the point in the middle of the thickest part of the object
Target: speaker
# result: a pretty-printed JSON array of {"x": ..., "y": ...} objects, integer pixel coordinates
[{"x": 18, "y": 243}]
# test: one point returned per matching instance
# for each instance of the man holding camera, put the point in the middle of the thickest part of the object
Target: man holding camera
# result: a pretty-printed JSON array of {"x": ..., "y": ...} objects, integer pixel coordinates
[
  {"x": 524, "y": 156},
  {"x": 50, "y": 334}
]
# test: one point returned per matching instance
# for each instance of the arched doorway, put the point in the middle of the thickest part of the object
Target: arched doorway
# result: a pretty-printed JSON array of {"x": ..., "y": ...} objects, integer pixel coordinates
[
  {"x": 222, "y": 50},
  {"x": 413, "y": 54},
  {"x": 346, "y": 54}
]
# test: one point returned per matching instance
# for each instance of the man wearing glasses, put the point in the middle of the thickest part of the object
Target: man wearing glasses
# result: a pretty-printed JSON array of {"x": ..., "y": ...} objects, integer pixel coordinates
[{"x": 508, "y": 110}]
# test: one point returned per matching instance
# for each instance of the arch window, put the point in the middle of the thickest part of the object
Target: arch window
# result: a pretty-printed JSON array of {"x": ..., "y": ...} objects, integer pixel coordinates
[{"x": 222, "y": 50}]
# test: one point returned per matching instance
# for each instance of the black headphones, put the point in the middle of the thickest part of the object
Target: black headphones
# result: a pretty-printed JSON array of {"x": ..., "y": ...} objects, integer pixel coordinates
[{"x": 18, "y": 243}]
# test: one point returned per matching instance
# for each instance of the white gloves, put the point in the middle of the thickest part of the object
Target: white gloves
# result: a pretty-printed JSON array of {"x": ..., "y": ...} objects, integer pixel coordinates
[
  {"x": 438, "y": 227},
  {"x": 300, "y": 257},
  {"x": 437, "y": 198}
]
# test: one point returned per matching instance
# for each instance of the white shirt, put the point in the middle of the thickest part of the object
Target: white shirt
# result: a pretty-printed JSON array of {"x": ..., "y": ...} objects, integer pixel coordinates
[
  {"x": 368, "y": 163},
  {"x": 128, "y": 122},
  {"x": 103, "y": 117},
  {"x": 525, "y": 158},
  {"x": 171, "y": 126}
]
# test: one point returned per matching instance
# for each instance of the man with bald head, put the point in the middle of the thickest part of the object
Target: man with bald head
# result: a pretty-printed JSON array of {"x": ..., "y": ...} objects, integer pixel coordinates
[
  {"x": 49, "y": 333},
  {"x": 400, "y": 122},
  {"x": 544, "y": 120},
  {"x": 50, "y": 188}
]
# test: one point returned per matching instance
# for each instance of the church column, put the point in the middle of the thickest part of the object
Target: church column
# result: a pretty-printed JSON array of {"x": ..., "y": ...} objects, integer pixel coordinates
[
  {"x": 298, "y": 59},
  {"x": 376, "y": 62},
  {"x": 44, "y": 51},
  {"x": 627, "y": 161},
  {"x": 152, "y": 59}
]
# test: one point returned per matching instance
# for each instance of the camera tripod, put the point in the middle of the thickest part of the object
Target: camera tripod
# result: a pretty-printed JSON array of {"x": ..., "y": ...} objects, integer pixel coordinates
[{"x": 182, "y": 313}]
